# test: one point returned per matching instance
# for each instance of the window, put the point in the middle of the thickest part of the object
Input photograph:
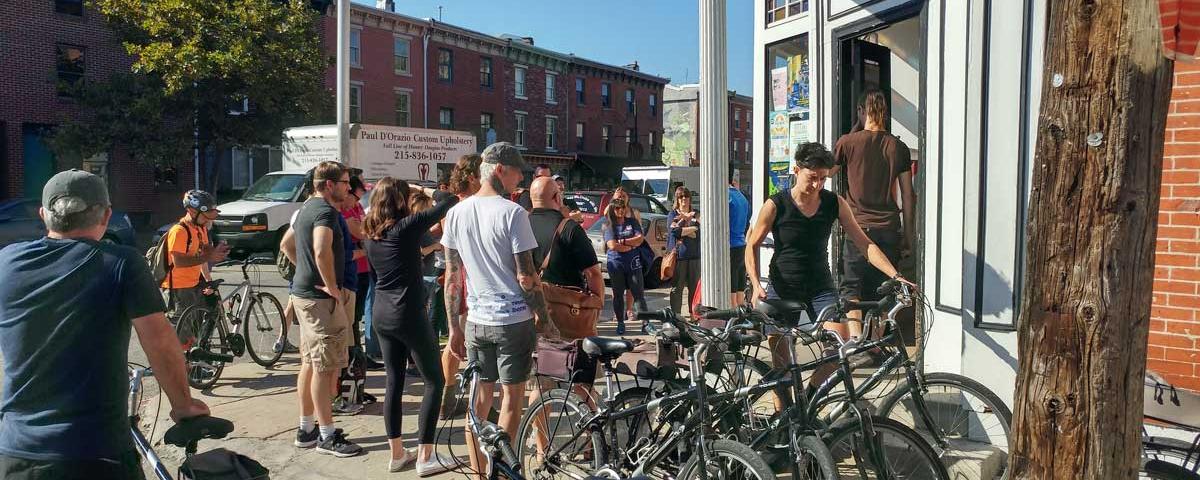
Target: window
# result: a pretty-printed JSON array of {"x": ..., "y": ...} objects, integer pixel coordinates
[
  {"x": 446, "y": 118},
  {"x": 629, "y": 101},
  {"x": 628, "y": 138},
  {"x": 241, "y": 168},
  {"x": 737, "y": 120},
  {"x": 747, "y": 145},
  {"x": 579, "y": 96},
  {"x": 605, "y": 95},
  {"x": 356, "y": 48},
  {"x": 551, "y": 91},
  {"x": 735, "y": 150},
  {"x": 70, "y": 68},
  {"x": 606, "y": 138},
  {"x": 520, "y": 138},
  {"x": 485, "y": 122},
  {"x": 69, "y": 7},
  {"x": 355, "y": 103},
  {"x": 485, "y": 71},
  {"x": 445, "y": 65},
  {"x": 403, "y": 108},
  {"x": 780, "y": 9},
  {"x": 653, "y": 105},
  {"x": 650, "y": 144},
  {"x": 519, "y": 75},
  {"x": 551, "y": 131},
  {"x": 579, "y": 135},
  {"x": 400, "y": 56}
]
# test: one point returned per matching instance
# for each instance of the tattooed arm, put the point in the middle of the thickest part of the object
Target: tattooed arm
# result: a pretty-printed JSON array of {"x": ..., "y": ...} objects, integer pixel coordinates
[
  {"x": 455, "y": 293},
  {"x": 531, "y": 288}
]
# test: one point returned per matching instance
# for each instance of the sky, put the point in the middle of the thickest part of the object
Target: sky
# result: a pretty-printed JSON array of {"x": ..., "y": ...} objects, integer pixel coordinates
[{"x": 661, "y": 35}]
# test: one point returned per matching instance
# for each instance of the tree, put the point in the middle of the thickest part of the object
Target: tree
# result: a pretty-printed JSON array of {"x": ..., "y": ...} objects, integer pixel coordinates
[
  {"x": 1093, "y": 211},
  {"x": 195, "y": 66}
]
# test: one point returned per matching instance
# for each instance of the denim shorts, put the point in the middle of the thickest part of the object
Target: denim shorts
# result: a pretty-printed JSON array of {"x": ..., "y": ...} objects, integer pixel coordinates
[{"x": 816, "y": 302}]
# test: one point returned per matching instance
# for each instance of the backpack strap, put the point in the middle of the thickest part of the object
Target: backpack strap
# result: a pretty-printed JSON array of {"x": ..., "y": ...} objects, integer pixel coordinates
[{"x": 553, "y": 240}]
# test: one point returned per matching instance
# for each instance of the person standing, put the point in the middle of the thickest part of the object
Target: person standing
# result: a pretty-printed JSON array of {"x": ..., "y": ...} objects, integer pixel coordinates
[
  {"x": 191, "y": 252},
  {"x": 574, "y": 262},
  {"x": 623, "y": 236},
  {"x": 525, "y": 200},
  {"x": 399, "y": 315},
  {"x": 620, "y": 193},
  {"x": 875, "y": 163},
  {"x": 684, "y": 238},
  {"x": 319, "y": 302},
  {"x": 488, "y": 238},
  {"x": 739, "y": 223},
  {"x": 353, "y": 212},
  {"x": 69, "y": 302},
  {"x": 464, "y": 182}
]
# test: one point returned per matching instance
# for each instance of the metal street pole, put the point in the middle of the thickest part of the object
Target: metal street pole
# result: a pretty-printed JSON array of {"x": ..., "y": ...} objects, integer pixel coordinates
[
  {"x": 714, "y": 162},
  {"x": 343, "y": 80}
]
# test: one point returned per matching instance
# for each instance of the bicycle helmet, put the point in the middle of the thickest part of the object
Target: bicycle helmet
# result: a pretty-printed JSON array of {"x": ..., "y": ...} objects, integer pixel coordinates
[{"x": 200, "y": 200}]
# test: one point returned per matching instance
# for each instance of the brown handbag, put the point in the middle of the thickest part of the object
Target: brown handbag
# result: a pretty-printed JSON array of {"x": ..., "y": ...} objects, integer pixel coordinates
[
  {"x": 667, "y": 270},
  {"x": 573, "y": 310}
]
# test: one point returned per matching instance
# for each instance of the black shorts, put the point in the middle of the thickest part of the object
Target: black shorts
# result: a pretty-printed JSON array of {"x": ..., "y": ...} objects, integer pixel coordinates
[
  {"x": 127, "y": 466},
  {"x": 737, "y": 269},
  {"x": 860, "y": 279}
]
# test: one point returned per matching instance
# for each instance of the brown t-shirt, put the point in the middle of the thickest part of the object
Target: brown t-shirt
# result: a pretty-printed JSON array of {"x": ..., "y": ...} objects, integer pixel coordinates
[{"x": 871, "y": 162}]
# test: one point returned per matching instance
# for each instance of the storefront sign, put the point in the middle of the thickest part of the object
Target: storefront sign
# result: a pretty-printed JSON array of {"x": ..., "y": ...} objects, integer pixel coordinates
[{"x": 379, "y": 150}]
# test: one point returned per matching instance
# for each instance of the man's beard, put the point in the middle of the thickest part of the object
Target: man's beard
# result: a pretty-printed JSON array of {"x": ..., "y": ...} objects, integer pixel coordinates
[{"x": 498, "y": 185}]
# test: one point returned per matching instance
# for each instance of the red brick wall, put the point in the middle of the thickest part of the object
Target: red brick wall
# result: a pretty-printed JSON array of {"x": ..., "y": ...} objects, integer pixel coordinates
[
  {"x": 537, "y": 108},
  {"x": 595, "y": 116},
  {"x": 464, "y": 93},
  {"x": 1175, "y": 317}
]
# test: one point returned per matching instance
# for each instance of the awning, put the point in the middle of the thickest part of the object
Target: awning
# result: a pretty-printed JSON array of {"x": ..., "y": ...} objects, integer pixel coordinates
[
  {"x": 608, "y": 166},
  {"x": 558, "y": 163},
  {"x": 1180, "y": 22}
]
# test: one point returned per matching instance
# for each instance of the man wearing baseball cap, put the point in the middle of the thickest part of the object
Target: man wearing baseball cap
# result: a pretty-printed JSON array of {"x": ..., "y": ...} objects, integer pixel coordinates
[{"x": 67, "y": 302}]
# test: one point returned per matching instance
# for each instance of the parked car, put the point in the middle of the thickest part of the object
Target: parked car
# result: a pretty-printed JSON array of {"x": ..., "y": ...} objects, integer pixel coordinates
[
  {"x": 20, "y": 222},
  {"x": 655, "y": 226},
  {"x": 593, "y": 202}
]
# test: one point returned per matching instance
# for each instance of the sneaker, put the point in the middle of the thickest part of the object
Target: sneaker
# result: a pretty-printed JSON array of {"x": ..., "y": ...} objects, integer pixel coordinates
[
  {"x": 368, "y": 399},
  {"x": 373, "y": 365},
  {"x": 620, "y": 328},
  {"x": 309, "y": 438},
  {"x": 284, "y": 345},
  {"x": 398, "y": 464},
  {"x": 343, "y": 408},
  {"x": 338, "y": 446},
  {"x": 437, "y": 463}
]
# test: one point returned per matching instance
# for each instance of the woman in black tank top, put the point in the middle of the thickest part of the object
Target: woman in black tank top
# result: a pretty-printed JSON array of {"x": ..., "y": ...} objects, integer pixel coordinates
[{"x": 801, "y": 221}]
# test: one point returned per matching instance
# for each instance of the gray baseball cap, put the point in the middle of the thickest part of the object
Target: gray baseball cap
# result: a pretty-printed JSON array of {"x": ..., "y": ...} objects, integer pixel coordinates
[
  {"x": 74, "y": 191},
  {"x": 503, "y": 153}
]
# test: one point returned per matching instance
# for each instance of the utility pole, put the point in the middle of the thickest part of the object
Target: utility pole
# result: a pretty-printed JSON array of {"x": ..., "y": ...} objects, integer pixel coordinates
[
  {"x": 714, "y": 165},
  {"x": 1085, "y": 306},
  {"x": 343, "y": 80}
]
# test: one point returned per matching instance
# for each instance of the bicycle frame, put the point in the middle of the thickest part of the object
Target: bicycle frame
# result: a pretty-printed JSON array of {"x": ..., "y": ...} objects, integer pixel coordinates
[
  {"x": 492, "y": 440},
  {"x": 139, "y": 440}
]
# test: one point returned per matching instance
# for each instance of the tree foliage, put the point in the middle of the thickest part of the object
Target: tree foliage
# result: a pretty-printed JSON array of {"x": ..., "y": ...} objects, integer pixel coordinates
[{"x": 195, "y": 63}]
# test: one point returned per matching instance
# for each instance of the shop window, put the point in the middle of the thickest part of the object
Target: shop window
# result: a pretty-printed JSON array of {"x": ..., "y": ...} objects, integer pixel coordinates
[
  {"x": 788, "y": 108},
  {"x": 781, "y": 9}
]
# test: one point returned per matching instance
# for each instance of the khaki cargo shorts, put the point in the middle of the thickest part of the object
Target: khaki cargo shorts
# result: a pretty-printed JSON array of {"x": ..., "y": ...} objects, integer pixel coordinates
[{"x": 324, "y": 333}]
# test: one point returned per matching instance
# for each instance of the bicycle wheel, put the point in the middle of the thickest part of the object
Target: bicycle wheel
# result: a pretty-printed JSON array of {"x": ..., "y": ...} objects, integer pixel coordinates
[
  {"x": 728, "y": 460},
  {"x": 970, "y": 417},
  {"x": 264, "y": 329},
  {"x": 202, "y": 328},
  {"x": 813, "y": 461},
  {"x": 906, "y": 454},
  {"x": 1168, "y": 458},
  {"x": 552, "y": 424}
]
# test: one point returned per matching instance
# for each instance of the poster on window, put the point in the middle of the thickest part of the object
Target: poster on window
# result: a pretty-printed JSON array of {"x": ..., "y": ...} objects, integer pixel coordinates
[
  {"x": 779, "y": 138},
  {"x": 797, "y": 84},
  {"x": 797, "y": 133},
  {"x": 779, "y": 88}
]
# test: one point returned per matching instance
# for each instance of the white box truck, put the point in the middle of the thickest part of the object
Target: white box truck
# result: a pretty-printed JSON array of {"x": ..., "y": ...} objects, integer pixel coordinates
[
  {"x": 656, "y": 181},
  {"x": 256, "y": 222}
]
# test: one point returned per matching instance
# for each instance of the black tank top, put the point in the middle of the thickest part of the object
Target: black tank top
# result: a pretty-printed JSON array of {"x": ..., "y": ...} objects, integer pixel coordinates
[{"x": 800, "y": 264}]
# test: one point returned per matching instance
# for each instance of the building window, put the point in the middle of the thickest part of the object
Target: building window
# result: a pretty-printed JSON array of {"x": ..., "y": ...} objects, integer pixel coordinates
[
  {"x": 629, "y": 101},
  {"x": 735, "y": 150},
  {"x": 606, "y": 138},
  {"x": 356, "y": 48},
  {"x": 355, "y": 103},
  {"x": 519, "y": 75},
  {"x": 605, "y": 95},
  {"x": 241, "y": 162},
  {"x": 551, "y": 133},
  {"x": 653, "y": 105},
  {"x": 747, "y": 145},
  {"x": 628, "y": 139},
  {"x": 403, "y": 108},
  {"x": 579, "y": 135},
  {"x": 780, "y": 9},
  {"x": 737, "y": 120},
  {"x": 446, "y": 118},
  {"x": 520, "y": 138},
  {"x": 649, "y": 144},
  {"x": 70, "y": 68},
  {"x": 69, "y": 7},
  {"x": 485, "y": 125},
  {"x": 445, "y": 65},
  {"x": 579, "y": 96},
  {"x": 400, "y": 56},
  {"x": 485, "y": 71},
  {"x": 551, "y": 88}
]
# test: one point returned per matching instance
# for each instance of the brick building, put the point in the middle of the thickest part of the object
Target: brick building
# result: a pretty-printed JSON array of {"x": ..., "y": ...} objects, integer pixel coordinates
[
  {"x": 1175, "y": 318},
  {"x": 682, "y": 105}
]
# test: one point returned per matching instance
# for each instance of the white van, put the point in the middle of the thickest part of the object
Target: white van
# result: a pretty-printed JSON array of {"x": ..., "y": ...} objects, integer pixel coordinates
[{"x": 657, "y": 181}]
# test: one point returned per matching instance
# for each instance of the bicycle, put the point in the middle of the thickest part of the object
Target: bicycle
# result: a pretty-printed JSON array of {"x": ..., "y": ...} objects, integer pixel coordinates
[
  {"x": 1163, "y": 457},
  {"x": 258, "y": 316},
  {"x": 493, "y": 441}
]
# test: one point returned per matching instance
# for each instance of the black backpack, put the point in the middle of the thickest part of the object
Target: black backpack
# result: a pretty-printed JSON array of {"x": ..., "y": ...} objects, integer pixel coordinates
[{"x": 222, "y": 464}]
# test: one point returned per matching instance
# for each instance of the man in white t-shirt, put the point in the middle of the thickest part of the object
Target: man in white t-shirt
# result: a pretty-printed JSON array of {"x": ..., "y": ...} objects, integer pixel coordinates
[{"x": 489, "y": 238}]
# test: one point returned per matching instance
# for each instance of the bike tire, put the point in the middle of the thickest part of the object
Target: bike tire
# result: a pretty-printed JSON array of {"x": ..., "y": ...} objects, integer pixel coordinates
[
  {"x": 1155, "y": 469},
  {"x": 814, "y": 461},
  {"x": 732, "y": 458},
  {"x": 264, "y": 323},
  {"x": 901, "y": 444},
  {"x": 201, "y": 327},
  {"x": 562, "y": 413},
  {"x": 986, "y": 422}
]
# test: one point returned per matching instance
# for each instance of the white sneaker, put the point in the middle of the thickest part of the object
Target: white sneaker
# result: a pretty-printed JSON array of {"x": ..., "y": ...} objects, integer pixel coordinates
[
  {"x": 398, "y": 464},
  {"x": 436, "y": 464}
]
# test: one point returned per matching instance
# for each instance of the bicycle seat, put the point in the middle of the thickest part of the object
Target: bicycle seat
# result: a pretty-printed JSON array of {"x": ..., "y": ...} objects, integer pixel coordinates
[
  {"x": 191, "y": 430},
  {"x": 600, "y": 347},
  {"x": 785, "y": 313}
]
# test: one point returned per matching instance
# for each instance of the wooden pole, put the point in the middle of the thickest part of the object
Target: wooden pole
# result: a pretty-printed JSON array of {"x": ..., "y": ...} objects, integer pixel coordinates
[{"x": 1085, "y": 306}]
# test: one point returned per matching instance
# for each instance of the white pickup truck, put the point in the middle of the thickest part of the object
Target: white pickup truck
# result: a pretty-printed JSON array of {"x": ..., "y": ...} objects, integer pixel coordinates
[{"x": 257, "y": 221}]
